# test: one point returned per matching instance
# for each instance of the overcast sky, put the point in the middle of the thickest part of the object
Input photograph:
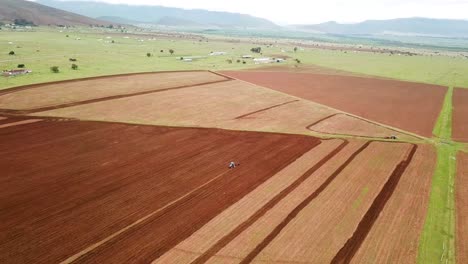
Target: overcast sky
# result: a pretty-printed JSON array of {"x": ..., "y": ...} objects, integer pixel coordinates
[{"x": 316, "y": 11}]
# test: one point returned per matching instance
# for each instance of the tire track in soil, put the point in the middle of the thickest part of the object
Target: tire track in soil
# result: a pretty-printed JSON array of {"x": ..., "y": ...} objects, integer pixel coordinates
[
  {"x": 19, "y": 123},
  {"x": 265, "y": 109},
  {"x": 309, "y": 127},
  {"x": 262, "y": 211},
  {"x": 301, "y": 206},
  {"x": 353, "y": 244},
  {"x": 96, "y": 100},
  {"x": 318, "y": 121}
]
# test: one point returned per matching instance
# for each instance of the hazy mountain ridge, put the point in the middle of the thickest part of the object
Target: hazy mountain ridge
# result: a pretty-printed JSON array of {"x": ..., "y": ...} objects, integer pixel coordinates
[
  {"x": 42, "y": 15},
  {"x": 155, "y": 14},
  {"x": 404, "y": 26}
]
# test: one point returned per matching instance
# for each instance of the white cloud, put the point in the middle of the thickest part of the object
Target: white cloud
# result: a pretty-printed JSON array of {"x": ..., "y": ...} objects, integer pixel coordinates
[{"x": 314, "y": 11}]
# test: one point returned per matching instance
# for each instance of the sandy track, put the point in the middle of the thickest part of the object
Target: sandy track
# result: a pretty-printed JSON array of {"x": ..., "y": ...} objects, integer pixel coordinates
[
  {"x": 227, "y": 225},
  {"x": 385, "y": 101},
  {"x": 67, "y": 93},
  {"x": 461, "y": 201},
  {"x": 460, "y": 114},
  {"x": 68, "y": 185},
  {"x": 322, "y": 228},
  {"x": 395, "y": 235}
]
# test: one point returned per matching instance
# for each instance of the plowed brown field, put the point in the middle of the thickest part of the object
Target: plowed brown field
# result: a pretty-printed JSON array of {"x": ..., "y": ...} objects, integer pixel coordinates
[
  {"x": 67, "y": 186},
  {"x": 461, "y": 201},
  {"x": 44, "y": 96},
  {"x": 413, "y": 107},
  {"x": 321, "y": 227},
  {"x": 395, "y": 235},
  {"x": 252, "y": 208},
  {"x": 229, "y": 105},
  {"x": 460, "y": 114}
]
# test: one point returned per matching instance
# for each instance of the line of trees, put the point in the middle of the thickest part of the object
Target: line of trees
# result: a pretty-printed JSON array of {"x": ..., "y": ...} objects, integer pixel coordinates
[{"x": 23, "y": 22}]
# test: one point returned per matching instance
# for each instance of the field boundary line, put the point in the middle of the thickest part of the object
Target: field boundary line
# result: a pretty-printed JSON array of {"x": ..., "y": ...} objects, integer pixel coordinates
[
  {"x": 92, "y": 247},
  {"x": 19, "y": 123},
  {"x": 336, "y": 110},
  {"x": 96, "y": 100},
  {"x": 309, "y": 127},
  {"x": 292, "y": 215},
  {"x": 265, "y": 208},
  {"x": 353, "y": 244},
  {"x": 222, "y": 75},
  {"x": 319, "y": 121},
  {"x": 265, "y": 109},
  {"x": 37, "y": 85}
]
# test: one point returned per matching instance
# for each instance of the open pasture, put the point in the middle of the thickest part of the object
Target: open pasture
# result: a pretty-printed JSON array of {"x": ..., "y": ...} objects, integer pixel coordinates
[
  {"x": 461, "y": 202},
  {"x": 460, "y": 114},
  {"x": 413, "y": 107}
]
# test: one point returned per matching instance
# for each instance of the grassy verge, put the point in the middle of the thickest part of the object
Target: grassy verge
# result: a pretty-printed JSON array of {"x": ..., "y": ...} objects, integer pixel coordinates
[
  {"x": 443, "y": 127},
  {"x": 437, "y": 243}
]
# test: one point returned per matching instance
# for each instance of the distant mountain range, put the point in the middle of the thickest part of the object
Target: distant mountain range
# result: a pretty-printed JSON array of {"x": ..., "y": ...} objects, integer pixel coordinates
[
  {"x": 53, "y": 12},
  {"x": 30, "y": 12},
  {"x": 160, "y": 15},
  {"x": 401, "y": 26}
]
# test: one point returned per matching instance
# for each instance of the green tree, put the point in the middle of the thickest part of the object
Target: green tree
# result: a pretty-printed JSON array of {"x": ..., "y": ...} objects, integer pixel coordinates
[
  {"x": 256, "y": 50},
  {"x": 55, "y": 69},
  {"x": 74, "y": 66}
]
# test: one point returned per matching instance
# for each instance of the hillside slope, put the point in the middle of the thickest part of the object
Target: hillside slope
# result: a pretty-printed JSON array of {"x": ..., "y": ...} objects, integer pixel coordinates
[
  {"x": 42, "y": 15},
  {"x": 154, "y": 14},
  {"x": 401, "y": 26}
]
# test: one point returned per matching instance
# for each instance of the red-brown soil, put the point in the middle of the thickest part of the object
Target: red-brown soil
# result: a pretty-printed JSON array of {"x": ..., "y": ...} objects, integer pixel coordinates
[
  {"x": 414, "y": 107},
  {"x": 461, "y": 201},
  {"x": 460, "y": 114},
  {"x": 69, "y": 185}
]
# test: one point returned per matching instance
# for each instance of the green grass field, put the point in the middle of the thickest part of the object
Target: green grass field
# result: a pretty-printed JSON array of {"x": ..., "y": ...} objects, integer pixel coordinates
[
  {"x": 96, "y": 56},
  {"x": 438, "y": 236},
  {"x": 440, "y": 70}
]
